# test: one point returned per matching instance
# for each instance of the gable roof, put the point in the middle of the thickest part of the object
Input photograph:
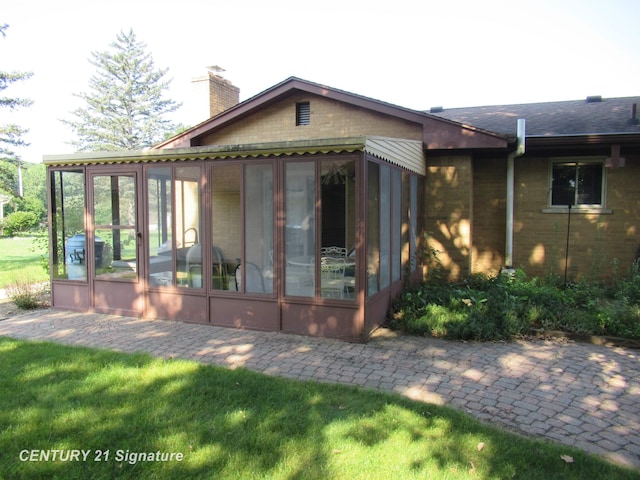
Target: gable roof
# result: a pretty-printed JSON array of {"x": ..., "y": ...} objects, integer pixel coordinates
[
  {"x": 595, "y": 115},
  {"x": 439, "y": 133}
]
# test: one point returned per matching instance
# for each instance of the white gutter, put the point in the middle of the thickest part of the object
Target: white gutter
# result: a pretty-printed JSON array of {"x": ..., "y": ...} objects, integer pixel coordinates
[{"x": 520, "y": 148}]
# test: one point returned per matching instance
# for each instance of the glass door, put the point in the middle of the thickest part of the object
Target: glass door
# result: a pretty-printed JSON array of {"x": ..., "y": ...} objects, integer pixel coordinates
[{"x": 115, "y": 226}]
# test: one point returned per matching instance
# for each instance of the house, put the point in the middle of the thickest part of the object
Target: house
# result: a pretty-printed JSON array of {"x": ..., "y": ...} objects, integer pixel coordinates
[
  {"x": 307, "y": 209},
  {"x": 568, "y": 203}
]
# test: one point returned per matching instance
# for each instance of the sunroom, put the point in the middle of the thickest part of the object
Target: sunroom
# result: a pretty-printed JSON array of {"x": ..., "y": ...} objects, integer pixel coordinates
[{"x": 308, "y": 237}]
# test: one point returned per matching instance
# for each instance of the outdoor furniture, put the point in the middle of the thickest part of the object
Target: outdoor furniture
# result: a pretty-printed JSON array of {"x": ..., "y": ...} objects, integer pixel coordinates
[
  {"x": 333, "y": 251},
  {"x": 299, "y": 276},
  {"x": 193, "y": 240},
  {"x": 254, "y": 279},
  {"x": 332, "y": 277},
  {"x": 194, "y": 267}
]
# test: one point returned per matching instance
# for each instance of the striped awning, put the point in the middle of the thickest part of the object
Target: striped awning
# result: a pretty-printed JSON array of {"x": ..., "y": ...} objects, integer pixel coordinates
[{"x": 407, "y": 154}]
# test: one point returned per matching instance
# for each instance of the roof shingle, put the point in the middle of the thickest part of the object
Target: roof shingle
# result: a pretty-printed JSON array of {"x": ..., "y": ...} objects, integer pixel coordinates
[{"x": 576, "y": 117}]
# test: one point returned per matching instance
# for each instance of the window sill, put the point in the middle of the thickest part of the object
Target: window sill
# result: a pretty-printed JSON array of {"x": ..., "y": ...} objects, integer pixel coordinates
[{"x": 565, "y": 210}]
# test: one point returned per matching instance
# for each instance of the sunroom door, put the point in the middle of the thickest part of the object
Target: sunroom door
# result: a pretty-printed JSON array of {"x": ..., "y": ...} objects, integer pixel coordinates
[{"x": 117, "y": 243}]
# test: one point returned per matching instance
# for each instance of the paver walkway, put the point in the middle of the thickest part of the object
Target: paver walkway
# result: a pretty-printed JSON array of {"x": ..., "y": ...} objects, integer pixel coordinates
[{"x": 583, "y": 395}]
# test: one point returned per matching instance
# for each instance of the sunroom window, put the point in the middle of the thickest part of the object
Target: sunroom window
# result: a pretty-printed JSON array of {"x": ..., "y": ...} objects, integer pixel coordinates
[
  {"x": 67, "y": 224},
  {"x": 174, "y": 233}
]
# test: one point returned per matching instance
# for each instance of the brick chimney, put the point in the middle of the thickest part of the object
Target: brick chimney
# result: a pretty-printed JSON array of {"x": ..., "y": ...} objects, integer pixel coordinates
[{"x": 222, "y": 94}]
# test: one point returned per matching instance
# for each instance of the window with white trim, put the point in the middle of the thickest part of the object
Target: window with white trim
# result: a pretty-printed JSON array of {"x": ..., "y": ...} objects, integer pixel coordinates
[{"x": 577, "y": 183}]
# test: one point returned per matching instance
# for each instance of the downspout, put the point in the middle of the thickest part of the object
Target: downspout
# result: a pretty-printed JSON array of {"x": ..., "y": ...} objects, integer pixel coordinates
[{"x": 519, "y": 151}]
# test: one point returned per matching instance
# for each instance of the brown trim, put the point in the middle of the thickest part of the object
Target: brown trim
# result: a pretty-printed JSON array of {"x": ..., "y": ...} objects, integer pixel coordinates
[
  {"x": 337, "y": 318},
  {"x": 438, "y": 132},
  {"x": 127, "y": 297}
]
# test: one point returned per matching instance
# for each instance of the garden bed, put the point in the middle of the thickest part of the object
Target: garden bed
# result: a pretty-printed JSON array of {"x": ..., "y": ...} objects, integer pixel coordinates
[{"x": 508, "y": 307}]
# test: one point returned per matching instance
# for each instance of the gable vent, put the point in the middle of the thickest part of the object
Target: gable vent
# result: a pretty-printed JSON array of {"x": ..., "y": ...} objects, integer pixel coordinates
[{"x": 303, "y": 113}]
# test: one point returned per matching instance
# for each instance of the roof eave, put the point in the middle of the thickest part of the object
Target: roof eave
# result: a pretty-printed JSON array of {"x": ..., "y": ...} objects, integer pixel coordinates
[
  {"x": 408, "y": 154},
  {"x": 338, "y": 145},
  {"x": 582, "y": 139},
  {"x": 430, "y": 123}
]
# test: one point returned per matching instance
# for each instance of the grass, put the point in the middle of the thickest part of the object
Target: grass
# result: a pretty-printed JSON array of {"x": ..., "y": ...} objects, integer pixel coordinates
[
  {"x": 238, "y": 424},
  {"x": 19, "y": 263}
]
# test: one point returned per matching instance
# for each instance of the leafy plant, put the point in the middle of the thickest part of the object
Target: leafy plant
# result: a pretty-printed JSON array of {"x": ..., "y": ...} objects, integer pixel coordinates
[
  {"x": 507, "y": 306},
  {"x": 26, "y": 294},
  {"x": 19, "y": 222},
  {"x": 40, "y": 246}
]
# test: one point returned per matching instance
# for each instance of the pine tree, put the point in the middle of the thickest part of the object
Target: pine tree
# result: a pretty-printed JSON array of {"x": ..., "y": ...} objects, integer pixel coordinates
[
  {"x": 125, "y": 106},
  {"x": 11, "y": 135}
]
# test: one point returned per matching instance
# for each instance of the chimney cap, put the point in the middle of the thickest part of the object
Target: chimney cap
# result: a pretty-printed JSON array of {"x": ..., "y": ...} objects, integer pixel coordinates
[{"x": 215, "y": 69}]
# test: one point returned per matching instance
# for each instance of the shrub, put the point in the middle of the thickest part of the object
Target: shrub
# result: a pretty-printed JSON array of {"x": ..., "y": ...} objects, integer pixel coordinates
[
  {"x": 436, "y": 320},
  {"x": 26, "y": 295},
  {"x": 629, "y": 288},
  {"x": 19, "y": 222},
  {"x": 504, "y": 307}
]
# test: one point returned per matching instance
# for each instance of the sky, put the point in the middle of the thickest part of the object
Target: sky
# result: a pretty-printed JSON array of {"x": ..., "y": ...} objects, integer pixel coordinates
[{"x": 413, "y": 53}]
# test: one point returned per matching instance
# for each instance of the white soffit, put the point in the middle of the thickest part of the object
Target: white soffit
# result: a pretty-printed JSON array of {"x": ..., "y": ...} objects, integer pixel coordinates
[{"x": 407, "y": 154}]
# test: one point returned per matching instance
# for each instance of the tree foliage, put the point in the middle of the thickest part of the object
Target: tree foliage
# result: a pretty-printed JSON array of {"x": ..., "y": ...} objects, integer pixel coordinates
[
  {"x": 125, "y": 107},
  {"x": 17, "y": 222},
  {"x": 34, "y": 191},
  {"x": 11, "y": 135}
]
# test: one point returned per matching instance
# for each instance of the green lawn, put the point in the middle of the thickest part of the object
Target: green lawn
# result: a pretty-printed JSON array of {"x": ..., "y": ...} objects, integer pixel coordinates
[
  {"x": 18, "y": 263},
  {"x": 241, "y": 425}
]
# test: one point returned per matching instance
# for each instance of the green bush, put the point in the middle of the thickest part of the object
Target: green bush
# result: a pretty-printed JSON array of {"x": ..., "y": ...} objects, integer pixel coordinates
[
  {"x": 505, "y": 307},
  {"x": 17, "y": 222},
  {"x": 629, "y": 288}
]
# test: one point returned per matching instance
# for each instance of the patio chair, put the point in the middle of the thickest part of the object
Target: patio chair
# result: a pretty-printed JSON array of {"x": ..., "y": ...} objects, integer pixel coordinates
[
  {"x": 219, "y": 269},
  {"x": 254, "y": 278},
  {"x": 194, "y": 267},
  {"x": 333, "y": 251},
  {"x": 332, "y": 277},
  {"x": 194, "y": 237},
  {"x": 299, "y": 281}
]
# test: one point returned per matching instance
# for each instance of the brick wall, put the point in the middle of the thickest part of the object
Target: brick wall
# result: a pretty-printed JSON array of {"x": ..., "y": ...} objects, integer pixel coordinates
[
  {"x": 489, "y": 214},
  {"x": 222, "y": 94},
  {"x": 595, "y": 240},
  {"x": 329, "y": 119},
  {"x": 448, "y": 212},
  {"x": 539, "y": 237}
]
